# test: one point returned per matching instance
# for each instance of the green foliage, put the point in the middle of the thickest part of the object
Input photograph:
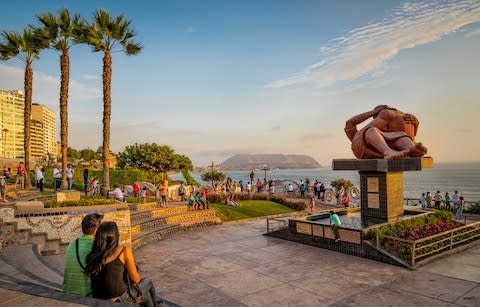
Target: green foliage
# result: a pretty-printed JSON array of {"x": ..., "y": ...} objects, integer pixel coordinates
[
  {"x": 249, "y": 209},
  {"x": 474, "y": 208},
  {"x": 213, "y": 175},
  {"x": 155, "y": 159},
  {"x": 84, "y": 201},
  {"x": 341, "y": 182},
  {"x": 188, "y": 178}
]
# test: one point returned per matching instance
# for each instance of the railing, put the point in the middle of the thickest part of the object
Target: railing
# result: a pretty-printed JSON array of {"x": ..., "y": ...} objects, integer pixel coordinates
[
  {"x": 449, "y": 238},
  {"x": 275, "y": 221}
]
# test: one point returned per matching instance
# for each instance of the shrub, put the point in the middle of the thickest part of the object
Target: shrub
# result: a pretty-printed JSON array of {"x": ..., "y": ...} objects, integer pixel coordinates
[
  {"x": 474, "y": 208},
  {"x": 87, "y": 201},
  {"x": 338, "y": 183}
]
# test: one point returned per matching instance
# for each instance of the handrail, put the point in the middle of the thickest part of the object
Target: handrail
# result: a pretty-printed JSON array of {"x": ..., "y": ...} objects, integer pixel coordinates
[{"x": 446, "y": 232}]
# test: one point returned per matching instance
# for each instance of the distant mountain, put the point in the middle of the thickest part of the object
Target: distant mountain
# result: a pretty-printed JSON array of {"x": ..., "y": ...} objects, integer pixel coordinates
[{"x": 273, "y": 161}]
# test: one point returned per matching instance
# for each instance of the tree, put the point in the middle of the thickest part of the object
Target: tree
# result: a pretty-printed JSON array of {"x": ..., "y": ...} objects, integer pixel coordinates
[
  {"x": 338, "y": 183},
  {"x": 213, "y": 175},
  {"x": 59, "y": 32},
  {"x": 105, "y": 34},
  {"x": 157, "y": 160},
  {"x": 26, "y": 46}
]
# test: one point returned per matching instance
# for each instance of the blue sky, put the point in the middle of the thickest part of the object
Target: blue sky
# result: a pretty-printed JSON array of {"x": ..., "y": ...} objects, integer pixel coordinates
[{"x": 217, "y": 78}]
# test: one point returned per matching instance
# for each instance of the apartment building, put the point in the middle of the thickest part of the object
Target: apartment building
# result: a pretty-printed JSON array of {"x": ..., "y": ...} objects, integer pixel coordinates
[{"x": 11, "y": 123}]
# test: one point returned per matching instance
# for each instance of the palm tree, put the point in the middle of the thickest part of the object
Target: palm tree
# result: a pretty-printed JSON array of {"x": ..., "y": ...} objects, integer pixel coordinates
[
  {"x": 26, "y": 46},
  {"x": 106, "y": 34},
  {"x": 59, "y": 32}
]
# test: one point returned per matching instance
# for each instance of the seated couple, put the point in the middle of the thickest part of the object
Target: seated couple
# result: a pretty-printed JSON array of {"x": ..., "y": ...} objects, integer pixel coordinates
[
  {"x": 96, "y": 265},
  {"x": 196, "y": 200},
  {"x": 230, "y": 202}
]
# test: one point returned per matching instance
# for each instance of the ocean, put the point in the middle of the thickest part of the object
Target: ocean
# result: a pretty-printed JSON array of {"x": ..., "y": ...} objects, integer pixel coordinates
[{"x": 445, "y": 177}]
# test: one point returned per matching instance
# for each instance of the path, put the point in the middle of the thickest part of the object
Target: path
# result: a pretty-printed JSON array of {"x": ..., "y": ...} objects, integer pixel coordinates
[{"x": 234, "y": 265}]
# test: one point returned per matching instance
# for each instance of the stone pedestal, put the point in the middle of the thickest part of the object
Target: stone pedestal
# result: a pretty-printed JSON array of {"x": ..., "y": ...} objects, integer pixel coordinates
[
  {"x": 69, "y": 195},
  {"x": 381, "y": 183}
]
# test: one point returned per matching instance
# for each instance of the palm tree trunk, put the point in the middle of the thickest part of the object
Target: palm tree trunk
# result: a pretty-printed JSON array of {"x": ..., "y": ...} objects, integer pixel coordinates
[
  {"x": 107, "y": 110},
  {"x": 65, "y": 76},
  {"x": 28, "y": 78}
]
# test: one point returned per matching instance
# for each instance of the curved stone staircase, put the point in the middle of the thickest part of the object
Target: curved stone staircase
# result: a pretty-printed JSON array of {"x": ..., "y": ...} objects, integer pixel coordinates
[{"x": 151, "y": 222}]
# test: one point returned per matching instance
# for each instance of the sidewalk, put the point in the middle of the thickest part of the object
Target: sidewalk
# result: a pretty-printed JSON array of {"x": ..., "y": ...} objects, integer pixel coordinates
[{"x": 235, "y": 265}]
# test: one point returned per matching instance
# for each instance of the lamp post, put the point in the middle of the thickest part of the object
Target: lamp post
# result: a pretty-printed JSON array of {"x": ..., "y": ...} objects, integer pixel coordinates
[{"x": 265, "y": 168}]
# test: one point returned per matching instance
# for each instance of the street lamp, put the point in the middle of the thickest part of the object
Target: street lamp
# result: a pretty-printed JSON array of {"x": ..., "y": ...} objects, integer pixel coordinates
[{"x": 265, "y": 168}]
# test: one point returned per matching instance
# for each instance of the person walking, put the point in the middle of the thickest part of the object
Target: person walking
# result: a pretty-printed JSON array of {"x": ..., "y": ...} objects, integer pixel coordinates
[
  {"x": 460, "y": 207},
  {"x": 57, "y": 177},
  {"x": 446, "y": 200},
  {"x": 69, "y": 173},
  {"x": 423, "y": 201},
  {"x": 39, "y": 177},
  {"x": 455, "y": 200},
  {"x": 20, "y": 175},
  {"x": 313, "y": 204},
  {"x": 438, "y": 200},
  {"x": 86, "y": 181}
]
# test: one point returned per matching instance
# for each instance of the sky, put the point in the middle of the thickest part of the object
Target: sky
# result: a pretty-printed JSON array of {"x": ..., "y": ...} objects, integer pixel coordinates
[{"x": 218, "y": 78}]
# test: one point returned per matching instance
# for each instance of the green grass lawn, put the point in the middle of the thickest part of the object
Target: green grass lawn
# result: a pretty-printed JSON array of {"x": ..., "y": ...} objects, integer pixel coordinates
[{"x": 248, "y": 209}]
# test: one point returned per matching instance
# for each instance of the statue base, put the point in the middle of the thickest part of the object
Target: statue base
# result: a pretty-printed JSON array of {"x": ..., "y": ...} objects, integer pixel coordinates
[{"x": 381, "y": 183}]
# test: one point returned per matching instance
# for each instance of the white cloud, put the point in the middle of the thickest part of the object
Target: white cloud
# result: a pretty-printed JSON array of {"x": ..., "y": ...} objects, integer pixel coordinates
[
  {"x": 90, "y": 77},
  {"x": 365, "y": 50},
  {"x": 46, "y": 88},
  {"x": 472, "y": 33}
]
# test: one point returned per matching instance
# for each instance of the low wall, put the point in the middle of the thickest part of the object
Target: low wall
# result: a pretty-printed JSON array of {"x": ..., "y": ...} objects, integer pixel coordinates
[{"x": 64, "y": 224}]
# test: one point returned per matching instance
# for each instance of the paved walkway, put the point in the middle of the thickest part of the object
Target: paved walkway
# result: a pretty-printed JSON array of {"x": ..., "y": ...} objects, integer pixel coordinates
[{"x": 234, "y": 265}]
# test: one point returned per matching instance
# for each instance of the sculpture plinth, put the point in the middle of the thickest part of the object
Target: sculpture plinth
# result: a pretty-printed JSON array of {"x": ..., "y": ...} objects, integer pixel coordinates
[{"x": 381, "y": 183}]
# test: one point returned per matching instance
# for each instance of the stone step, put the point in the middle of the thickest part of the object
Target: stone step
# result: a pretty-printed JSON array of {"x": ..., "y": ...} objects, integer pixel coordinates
[
  {"x": 146, "y": 214},
  {"x": 154, "y": 205},
  {"x": 144, "y": 237},
  {"x": 206, "y": 221},
  {"x": 148, "y": 224},
  {"x": 190, "y": 216}
]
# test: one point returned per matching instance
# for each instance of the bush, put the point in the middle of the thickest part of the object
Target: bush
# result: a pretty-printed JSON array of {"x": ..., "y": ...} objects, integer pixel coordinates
[
  {"x": 474, "y": 208},
  {"x": 338, "y": 183},
  {"x": 87, "y": 201}
]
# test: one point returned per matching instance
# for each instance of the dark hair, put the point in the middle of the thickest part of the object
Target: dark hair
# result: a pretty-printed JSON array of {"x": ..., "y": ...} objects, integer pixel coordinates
[
  {"x": 105, "y": 244},
  {"x": 331, "y": 212},
  {"x": 91, "y": 222}
]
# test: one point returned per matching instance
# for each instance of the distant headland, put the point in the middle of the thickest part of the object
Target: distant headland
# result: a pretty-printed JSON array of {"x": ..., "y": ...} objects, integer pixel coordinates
[{"x": 245, "y": 162}]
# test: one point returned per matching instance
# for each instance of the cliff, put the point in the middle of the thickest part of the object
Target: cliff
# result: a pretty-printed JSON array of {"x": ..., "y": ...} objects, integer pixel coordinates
[{"x": 273, "y": 161}]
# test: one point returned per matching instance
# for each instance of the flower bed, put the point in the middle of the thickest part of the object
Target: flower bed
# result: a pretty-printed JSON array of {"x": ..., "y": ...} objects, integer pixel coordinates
[{"x": 424, "y": 236}]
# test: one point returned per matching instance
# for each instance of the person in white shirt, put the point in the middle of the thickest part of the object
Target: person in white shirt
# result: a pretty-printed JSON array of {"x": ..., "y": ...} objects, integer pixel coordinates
[
  {"x": 69, "y": 172},
  {"x": 116, "y": 194},
  {"x": 39, "y": 177},
  {"x": 57, "y": 175}
]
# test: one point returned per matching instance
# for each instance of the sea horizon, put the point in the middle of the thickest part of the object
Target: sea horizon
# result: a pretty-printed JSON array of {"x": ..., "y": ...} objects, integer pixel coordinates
[{"x": 461, "y": 176}]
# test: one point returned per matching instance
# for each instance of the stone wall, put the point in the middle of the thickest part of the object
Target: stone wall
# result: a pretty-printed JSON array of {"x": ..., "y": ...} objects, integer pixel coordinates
[{"x": 64, "y": 224}]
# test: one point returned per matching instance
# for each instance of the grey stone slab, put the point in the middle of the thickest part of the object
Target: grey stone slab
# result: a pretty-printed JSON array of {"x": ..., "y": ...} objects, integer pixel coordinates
[
  {"x": 284, "y": 296},
  {"x": 387, "y": 297},
  {"x": 471, "y": 298},
  {"x": 464, "y": 265},
  {"x": 211, "y": 266},
  {"x": 431, "y": 285},
  {"x": 241, "y": 283}
]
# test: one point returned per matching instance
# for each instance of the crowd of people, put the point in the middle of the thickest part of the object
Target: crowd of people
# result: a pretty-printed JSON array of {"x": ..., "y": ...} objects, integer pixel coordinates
[{"x": 454, "y": 202}]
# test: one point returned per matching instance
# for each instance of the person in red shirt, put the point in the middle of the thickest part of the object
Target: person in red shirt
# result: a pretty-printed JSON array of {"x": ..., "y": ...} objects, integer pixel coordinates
[
  {"x": 136, "y": 189},
  {"x": 20, "y": 175}
]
